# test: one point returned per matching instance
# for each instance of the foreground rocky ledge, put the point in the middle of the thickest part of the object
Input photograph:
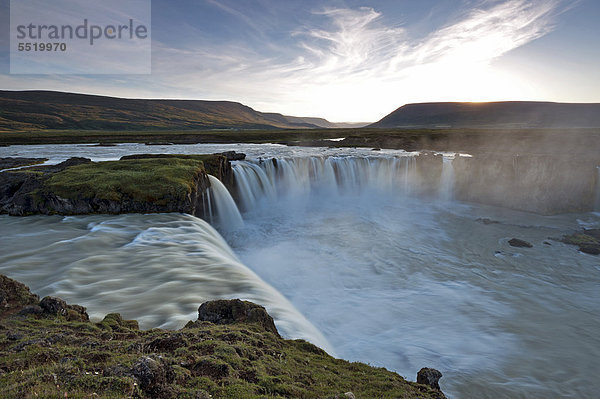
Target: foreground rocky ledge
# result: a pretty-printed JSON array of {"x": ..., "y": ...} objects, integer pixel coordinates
[{"x": 50, "y": 349}]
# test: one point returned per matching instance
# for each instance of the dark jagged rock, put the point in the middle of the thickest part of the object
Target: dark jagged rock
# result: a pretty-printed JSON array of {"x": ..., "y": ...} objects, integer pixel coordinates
[
  {"x": 152, "y": 376},
  {"x": 10, "y": 162},
  {"x": 590, "y": 248},
  {"x": 430, "y": 377},
  {"x": 515, "y": 242},
  {"x": 232, "y": 155},
  {"x": 487, "y": 221},
  {"x": 15, "y": 298},
  {"x": 58, "y": 307},
  {"x": 236, "y": 311}
]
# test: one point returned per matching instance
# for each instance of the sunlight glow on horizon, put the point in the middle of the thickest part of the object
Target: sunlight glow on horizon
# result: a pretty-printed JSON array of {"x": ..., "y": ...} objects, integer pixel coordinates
[{"x": 351, "y": 64}]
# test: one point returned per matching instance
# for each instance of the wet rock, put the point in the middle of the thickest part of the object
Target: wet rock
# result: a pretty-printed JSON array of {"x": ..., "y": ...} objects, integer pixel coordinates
[
  {"x": 487, "y": 221},
  {"x": 590, "y": 248},
  {"x": 232, "y": 155},
  {"x": 236, "y": 311},
  {"x": 515, "y": 242},
  {"x": 587, "y": 241},
  {"x": 430, "y": 377}
]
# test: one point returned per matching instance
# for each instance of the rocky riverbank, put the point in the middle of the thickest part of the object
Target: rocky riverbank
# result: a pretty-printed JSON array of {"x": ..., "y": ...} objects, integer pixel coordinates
[
  {"x": 49, "y": 348},
  {"x": 137, "y": 183}
]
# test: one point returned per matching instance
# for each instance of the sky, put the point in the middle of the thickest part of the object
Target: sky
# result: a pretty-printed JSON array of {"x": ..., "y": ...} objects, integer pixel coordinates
[{"x": 353, "y": 61}]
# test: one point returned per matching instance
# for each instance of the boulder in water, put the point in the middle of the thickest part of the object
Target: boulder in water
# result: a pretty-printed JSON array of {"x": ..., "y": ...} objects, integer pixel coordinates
[
  {"x": 430, "y": 377},
  {"x": 515, "y": 242},
  {"x": 588, "y": 241}
]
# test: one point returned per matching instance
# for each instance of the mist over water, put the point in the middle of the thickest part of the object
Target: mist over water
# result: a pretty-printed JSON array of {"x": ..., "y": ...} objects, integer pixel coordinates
[
  {"x": 342, "y": 252},
  {"x": 405, "y": 282}
]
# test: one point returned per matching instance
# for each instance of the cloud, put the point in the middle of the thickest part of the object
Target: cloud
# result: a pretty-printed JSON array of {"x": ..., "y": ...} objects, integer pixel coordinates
[{"x": 349, "y": 64}]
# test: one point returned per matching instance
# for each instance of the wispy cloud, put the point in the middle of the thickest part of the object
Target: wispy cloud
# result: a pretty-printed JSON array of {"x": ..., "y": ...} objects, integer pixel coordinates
[{"x": 350, "y": 64}]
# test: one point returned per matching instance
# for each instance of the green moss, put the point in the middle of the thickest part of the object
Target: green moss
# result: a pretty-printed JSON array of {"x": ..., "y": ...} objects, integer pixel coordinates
[
  {"x": 145, "y": 180},
  {"x": 579, "y": 239},
  {"x": 48, "y": 356},
  {"x": 232, "y": 361}
]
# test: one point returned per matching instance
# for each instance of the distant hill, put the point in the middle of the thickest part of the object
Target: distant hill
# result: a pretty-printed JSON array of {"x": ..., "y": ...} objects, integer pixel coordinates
[
  {"x": 58, "y": 110},
  {"x": 509, "y": 114},
  {"x": 324, "y": 123}
]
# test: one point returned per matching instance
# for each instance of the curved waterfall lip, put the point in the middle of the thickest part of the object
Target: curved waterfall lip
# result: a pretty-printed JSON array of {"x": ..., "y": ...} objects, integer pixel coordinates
[
  {"x": 298, "y": 177},
  {"x": 156, "y": 268},
  {"x": 222, "y": 208}
]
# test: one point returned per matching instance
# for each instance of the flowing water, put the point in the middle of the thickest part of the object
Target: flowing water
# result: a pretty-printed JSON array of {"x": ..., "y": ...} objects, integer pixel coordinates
[{"x": 341, "y": 252}]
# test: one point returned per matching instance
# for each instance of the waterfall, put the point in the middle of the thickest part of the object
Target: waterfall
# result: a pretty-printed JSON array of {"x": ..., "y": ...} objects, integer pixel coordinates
[
  {"x": 332, "y": 175},
  {"x": 447, "y": 180},
  {"x": 252, "y": 183},
  {"x": 223, "y": 207}
]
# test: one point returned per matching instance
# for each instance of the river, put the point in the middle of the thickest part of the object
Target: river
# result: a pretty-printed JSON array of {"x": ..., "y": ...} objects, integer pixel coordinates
[{"x": 351, "y": 261}]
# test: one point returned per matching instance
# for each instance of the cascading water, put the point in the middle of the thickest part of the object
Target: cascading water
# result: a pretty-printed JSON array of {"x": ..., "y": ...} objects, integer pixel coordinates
[
  {"x": 299, "y": 177},
  {"x": 155, "y": 268},
  {"x": 246, "y": 175},
  {"x": 447, "y": 179},
  {"x": 223, "y": 208}
]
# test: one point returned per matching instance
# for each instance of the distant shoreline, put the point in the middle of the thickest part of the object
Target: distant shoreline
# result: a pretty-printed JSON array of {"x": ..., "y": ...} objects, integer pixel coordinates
[{"x": 547, "y": 141}]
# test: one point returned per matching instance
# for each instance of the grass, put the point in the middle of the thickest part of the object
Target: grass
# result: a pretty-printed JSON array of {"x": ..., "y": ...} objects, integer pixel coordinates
[
  {"x": 157, "y": 180},
  {"x": 55, "y": 358},
  {"x": 46, "y": 354}
]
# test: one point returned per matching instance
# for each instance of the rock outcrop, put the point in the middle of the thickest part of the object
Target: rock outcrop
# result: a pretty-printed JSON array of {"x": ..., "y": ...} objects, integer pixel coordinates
[
  {"x": 236, "y": 311},
  {"x": 9, "y": 162},
  {"x": 430, "y": 377},
  {"x": 145, "y": 183}
]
